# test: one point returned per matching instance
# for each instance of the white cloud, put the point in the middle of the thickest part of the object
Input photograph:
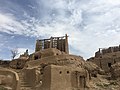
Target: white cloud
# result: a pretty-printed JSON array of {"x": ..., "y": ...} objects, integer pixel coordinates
[{"x": 90, "y": 24}]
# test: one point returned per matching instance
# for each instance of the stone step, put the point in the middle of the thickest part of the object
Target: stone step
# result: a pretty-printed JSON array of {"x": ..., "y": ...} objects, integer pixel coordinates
[
  {"x": 24, "y": 88},
  {"x": 23, "y": 84},
  {"x": 7, "y": 88},
  {"x": 22, "y": 80}
]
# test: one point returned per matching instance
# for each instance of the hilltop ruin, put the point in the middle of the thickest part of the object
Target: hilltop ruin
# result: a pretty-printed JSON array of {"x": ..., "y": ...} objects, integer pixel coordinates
[
  {"x": 106, "y": 57},
  {"x": 51, "y": 67}
]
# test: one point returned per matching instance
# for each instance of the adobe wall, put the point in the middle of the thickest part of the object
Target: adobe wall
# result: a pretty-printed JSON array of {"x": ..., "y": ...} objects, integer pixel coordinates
[
  {"x": 46, "y": 80},
  {"x": 106, "y": 57},
  {"x": 115, "y": 71},
  {"x": 64, "y": 78},
  {"x": 30, "y": 76},
  {"x": 60, "y": 78},
  {"x": 103, "y": 51},
  {"x": 4, "y": 64},
  {"x": 9, "y": 78},
  {"x": 17, "y": 63},
  {"x": 61, "y": 43},
  {"x": 45, "y": 53},
  {"x": 105, "y": 62},
  {"x": 70, "y": 60}
]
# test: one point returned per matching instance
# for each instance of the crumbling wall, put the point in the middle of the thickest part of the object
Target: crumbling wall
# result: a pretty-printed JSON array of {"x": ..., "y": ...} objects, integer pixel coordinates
[
  {"x": 64, "y": 78},
  {"x": 17, "y": 63},
  {"x": 4, "y": 63},
  {"x": 9, "y": 79},
  {"x": 63, "y": 59},
  {"x": 61, "y": 43},
  {"x": 105, "y": 58},
  {"x": 45, "y": 53},
  {"x": 30, "y": 76},
  {"x": 115, "y": 70},
  {"x": 105, "y": 63}
]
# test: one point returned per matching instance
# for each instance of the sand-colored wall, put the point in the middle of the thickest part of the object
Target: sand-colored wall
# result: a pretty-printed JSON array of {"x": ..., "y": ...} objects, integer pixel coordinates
[
  {"x": 30, "y": 76},
  {"x": 64, "y": 59},
  {"x": 62, "y": 78},
  {"x": 9, "y": 78},
  {"x": 103, "y": 62}
]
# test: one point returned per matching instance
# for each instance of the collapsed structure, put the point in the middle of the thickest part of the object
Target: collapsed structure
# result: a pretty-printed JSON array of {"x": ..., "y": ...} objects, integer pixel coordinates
[
  {"x": 50, "y": 67},
  {"x": 60, "y": 43},
  {"x": 106, "y": 57}
]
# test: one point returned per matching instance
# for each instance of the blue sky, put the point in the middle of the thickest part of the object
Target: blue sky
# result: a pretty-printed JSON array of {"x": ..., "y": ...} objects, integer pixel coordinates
[{"x": 90, "y": 24}]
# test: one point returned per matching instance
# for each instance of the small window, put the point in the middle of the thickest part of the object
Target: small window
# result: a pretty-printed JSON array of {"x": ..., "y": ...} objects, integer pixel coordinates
[
  {"x": 60, "y": 72},
  {"x": 36, "y": 57},
  {"x": 114, "y": 55},
  {"x": 109, "y": 64},
  {"x": 114, "y": 61},
  {"x": 68, "y": 72}
]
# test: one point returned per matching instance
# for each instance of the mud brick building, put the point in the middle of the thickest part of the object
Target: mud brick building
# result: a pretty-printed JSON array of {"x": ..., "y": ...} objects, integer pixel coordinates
[
  {"x": 106, "y": 57},
  {"x": 60, "y": 43}
]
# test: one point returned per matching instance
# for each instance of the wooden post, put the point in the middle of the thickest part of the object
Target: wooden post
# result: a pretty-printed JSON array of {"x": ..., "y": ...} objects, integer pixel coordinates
[
  {"x": 51, "y": 42},
  {"x": 62, "y": 45},
  {"x": 66, "y": 44}
]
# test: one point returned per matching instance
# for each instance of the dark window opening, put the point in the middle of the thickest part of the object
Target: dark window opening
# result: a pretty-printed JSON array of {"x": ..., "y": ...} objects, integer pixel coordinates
[
  {"x": 114, "y": 61},
  {"x": 94, "y": 75},
  {"x": 114, "y": 55},
  {"x": 109, "y": 64},
  {"x": 68, "y": 72},
  {"x": 60, "y": 72},
  {"x": 36, "y": 57},
  {"x": 81, "y": 83}
]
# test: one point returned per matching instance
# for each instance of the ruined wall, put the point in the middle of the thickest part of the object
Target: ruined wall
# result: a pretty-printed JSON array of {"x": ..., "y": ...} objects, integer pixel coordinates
[
  {"x": 45, "y": 53},
  {"x": 30, "y": 76},
  {"x": 64, "y": 78},
  {"x": 104, "y": 51},
  {"x": 61, "y": 43},
  {"x": 56, "y": 78},
  {"x": 4, "y": 63},
  {"x": 69, "y": 60},
  {"x": 17, "y": 63},
  {"x": 106, "y": 57},
  {"x": 46, "y": 80},
  {"x": 50, "y": 52},
  {"x": 9, "y": 78},
  {"x": 107, "y": 60},
  {"x": 115, "y": 71}
]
